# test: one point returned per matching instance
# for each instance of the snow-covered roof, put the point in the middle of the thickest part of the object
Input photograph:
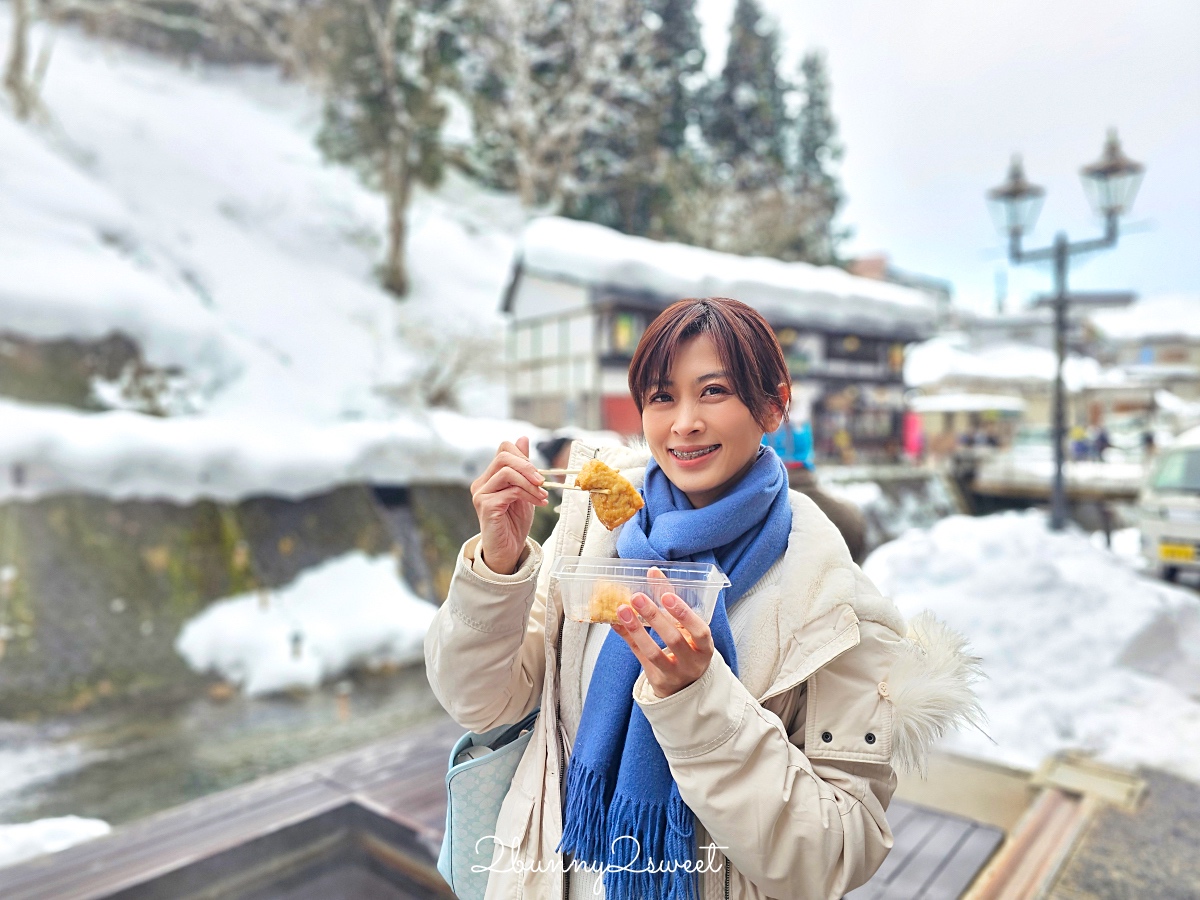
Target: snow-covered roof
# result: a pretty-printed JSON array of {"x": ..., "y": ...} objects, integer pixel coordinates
[
  {"x": 967, "y": 403},
  {"x": 792, "y": 292},
  {"x": 1167, "y": 315},
  {"x": 948, "y": 356}
]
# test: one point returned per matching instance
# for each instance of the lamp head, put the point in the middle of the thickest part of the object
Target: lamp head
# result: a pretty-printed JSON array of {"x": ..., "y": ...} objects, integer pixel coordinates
[
  {"x": 1112, "y": 182},
  {"x": 1016, "y": 203}
]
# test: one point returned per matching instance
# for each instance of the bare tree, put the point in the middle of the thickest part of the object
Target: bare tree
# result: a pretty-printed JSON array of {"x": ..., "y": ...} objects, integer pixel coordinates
[{"x": 16, "y": 76}]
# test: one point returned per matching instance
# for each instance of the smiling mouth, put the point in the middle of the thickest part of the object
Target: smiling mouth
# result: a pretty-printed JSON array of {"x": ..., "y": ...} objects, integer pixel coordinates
[{"x": 695, "y": 454}]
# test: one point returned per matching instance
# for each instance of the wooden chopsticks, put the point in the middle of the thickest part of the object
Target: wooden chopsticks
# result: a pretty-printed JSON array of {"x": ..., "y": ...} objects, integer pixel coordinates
[{"x": 566, "y": 487}]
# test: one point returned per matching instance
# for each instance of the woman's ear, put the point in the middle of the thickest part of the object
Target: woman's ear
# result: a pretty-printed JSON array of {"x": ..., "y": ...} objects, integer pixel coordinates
[{"x": 784, "y": 394}]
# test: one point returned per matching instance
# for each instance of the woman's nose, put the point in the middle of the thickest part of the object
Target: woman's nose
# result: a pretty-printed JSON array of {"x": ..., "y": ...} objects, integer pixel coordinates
[{"x": 687, "y": 420}]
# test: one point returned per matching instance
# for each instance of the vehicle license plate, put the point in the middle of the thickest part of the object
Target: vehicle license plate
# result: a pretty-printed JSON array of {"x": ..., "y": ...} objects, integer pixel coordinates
[{"x": 1177, "y": 552}]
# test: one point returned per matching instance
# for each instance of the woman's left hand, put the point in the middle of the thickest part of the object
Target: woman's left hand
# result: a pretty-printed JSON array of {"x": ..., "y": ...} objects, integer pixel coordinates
[{"x": 689, "y": 645}]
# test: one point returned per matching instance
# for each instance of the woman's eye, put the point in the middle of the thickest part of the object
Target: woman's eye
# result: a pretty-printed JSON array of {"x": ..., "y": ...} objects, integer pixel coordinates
[
  {"x": 660, "y": 398},
  {"x": 715, "y": 388}
]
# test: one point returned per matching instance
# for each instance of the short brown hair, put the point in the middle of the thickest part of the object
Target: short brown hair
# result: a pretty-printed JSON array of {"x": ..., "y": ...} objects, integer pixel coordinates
[{"x": 746, "y": 345}]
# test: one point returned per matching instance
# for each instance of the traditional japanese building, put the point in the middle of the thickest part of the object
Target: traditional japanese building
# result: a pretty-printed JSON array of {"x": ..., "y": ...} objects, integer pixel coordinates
[{"x": 581, "y": 295}]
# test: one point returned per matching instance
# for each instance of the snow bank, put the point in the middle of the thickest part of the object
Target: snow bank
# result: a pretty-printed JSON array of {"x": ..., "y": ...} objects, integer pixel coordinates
[
  {"x": 350, "y": 611},
  {"x": 1053, "y": 618},
  {"x": 555, "y": 246},
  {"x": 191, "y": 210},
  {"x": 21, "y": 842},
  {"x": 26, "y": 761},
  {"x": 949, "y": 356},
  {"x": 125, "y": 454}
]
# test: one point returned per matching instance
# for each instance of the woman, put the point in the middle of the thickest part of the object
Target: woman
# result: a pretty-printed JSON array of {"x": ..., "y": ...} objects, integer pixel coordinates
[{"x": 757, "y": 747}]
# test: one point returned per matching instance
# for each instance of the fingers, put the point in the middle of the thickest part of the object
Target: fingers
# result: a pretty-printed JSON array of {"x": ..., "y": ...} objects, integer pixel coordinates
[
  {"x": 511, "y": 456},
  {"x": 648, "y": 653},
  {"x": 678, "y": 625},
  {"x": 660, "y": 585},
  {"x": 672, "y": 625},
  {"x": 510, "y": 484}
]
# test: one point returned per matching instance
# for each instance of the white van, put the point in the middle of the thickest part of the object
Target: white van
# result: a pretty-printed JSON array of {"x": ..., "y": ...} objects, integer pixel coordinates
[{"x": 1169, "y": 507}]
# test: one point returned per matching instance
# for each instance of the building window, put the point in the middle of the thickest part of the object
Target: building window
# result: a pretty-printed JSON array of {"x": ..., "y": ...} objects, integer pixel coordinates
[{"x": 625, "y": 331}]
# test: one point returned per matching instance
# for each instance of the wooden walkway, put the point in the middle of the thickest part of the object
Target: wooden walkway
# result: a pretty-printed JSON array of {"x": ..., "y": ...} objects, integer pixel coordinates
[
  {"x": 935, "y": 857},
  {"x": 339, "y": 824},
  {"x": 166, "y": 855}
]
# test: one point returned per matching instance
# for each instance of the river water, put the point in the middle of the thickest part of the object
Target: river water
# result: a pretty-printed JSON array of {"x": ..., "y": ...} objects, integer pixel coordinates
[{"x": 127, "y": 762}]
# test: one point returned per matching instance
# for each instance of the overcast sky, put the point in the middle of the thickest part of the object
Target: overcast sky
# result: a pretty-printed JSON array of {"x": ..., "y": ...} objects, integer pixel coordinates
[{"x": 934, "y": 96}]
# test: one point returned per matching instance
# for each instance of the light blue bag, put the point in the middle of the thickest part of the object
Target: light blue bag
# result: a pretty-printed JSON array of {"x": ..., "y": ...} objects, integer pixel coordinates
[{"x": 475, "y": 788}]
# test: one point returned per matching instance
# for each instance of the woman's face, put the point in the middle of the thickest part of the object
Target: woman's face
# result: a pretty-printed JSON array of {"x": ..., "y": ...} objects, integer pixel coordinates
[{"x": 698, "y": 412}]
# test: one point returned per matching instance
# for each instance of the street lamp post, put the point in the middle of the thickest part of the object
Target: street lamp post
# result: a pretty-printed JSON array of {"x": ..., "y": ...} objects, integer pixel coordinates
[{"x": 1111, "y": 184}]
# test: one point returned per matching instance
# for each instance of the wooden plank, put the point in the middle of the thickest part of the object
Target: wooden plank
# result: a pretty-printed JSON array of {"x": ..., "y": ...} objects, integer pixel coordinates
[
  {"x": 925, "y": 854},
  {"x": 899, "y": 815},
  {"x": 959, "y": 869},
  {"x": 402, "y": 778},
  {"x": 939, "y": 842},
  {"x": 908, "y": 836},
  {"x": 146, "y": 850}
]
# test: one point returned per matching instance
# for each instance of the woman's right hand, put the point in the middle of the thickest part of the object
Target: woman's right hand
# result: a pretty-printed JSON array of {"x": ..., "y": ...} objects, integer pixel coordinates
[{"x": 504, "y": 497}]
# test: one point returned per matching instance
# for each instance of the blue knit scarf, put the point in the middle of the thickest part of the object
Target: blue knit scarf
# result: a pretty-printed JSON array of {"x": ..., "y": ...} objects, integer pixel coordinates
[{"x": 619, "y": 785}]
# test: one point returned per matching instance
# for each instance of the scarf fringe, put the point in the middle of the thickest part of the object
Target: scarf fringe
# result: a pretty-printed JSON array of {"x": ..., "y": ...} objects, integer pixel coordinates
[
  {"x": 665, "y": 847},
  {"x": 585, "y": 814}
]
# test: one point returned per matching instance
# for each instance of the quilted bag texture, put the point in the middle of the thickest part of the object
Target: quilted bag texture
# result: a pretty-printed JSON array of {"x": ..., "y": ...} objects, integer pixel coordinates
[{"x": 475, "y": 789}]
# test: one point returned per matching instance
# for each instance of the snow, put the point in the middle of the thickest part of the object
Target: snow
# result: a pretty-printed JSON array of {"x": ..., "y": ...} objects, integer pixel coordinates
[
  {"x": 348, "y": 612},
  {"x": 124, "y": 455},
  {"x": 191, "y": 210},
  {"x": 31, "y": 839},
  {"x": 1063, "y": 628},
  {"x": 935, "y": 403},
  {"x": 1032, "y": 468},
  {"x": 1165, "y": 315},
  {"x": 1126, "y": 546},
  {"x": 949, "y": 356},
  {"x": 26, "y": 761},
  {"x": 583, "y": 251}
]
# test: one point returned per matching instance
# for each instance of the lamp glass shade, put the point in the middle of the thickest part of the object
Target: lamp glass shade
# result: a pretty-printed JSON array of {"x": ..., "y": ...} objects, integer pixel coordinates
[
  {"x": 1112, "y": 183},
  {"x": 1015, "y": 204}
]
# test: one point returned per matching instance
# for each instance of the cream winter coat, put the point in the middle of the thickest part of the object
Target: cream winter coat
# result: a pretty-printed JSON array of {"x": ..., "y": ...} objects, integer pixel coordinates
[{"x": 788, "y": 770}]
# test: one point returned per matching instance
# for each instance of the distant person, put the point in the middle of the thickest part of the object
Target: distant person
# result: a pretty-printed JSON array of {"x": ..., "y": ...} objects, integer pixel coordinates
[
  {"x": 1101, "y": 443},
  {"x": 1148, "y": 445},
  {"x": 1080, "y": 446},
  {"x": 794, "y": 445}
]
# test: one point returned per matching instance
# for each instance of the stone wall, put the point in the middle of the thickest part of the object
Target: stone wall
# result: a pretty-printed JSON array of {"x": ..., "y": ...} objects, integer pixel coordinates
[{"x": 102, "y": 587}]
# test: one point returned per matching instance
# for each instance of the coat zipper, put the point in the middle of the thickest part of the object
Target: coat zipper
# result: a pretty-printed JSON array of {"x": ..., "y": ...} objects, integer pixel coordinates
[
  {"x": 562, "y": 753},
  {"x": 727, "y": 878},
  {"x": 562, "y": 775}
]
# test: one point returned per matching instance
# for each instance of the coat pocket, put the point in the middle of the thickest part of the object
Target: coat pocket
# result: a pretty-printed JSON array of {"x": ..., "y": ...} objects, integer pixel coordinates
[
  {"x": 848, "y": 716},
  {"x": 512, "y": 825}
]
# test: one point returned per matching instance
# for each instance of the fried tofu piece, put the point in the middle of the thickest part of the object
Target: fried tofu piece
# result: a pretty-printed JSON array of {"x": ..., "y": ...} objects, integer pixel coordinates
[
  {"x": 607, "y": 597},
  {"x": 621, "y": 502}
]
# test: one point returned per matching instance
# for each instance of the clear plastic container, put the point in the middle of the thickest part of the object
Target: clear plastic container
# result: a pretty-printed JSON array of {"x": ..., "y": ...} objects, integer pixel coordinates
[{"x": 594, "y": 587}]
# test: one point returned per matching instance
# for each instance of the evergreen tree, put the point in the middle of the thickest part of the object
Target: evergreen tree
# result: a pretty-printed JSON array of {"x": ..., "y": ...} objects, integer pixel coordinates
[
  {"x": 623, "y": 172},
  {"x": 388, "y": 62},
  {"x": 816, "y": 152},
  {"x": 543, "y": 77},
  {"x": 748, "y": 117}
]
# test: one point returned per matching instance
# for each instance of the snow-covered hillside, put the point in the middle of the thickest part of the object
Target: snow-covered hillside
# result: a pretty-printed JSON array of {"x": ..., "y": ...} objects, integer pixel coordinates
[
  {"x": 191, "y": 210},
  {"x": 1080, "y": 649}
]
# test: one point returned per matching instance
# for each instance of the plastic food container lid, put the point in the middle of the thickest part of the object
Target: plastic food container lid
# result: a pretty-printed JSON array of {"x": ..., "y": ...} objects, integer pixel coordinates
[{"x": 593, "y": 588}]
